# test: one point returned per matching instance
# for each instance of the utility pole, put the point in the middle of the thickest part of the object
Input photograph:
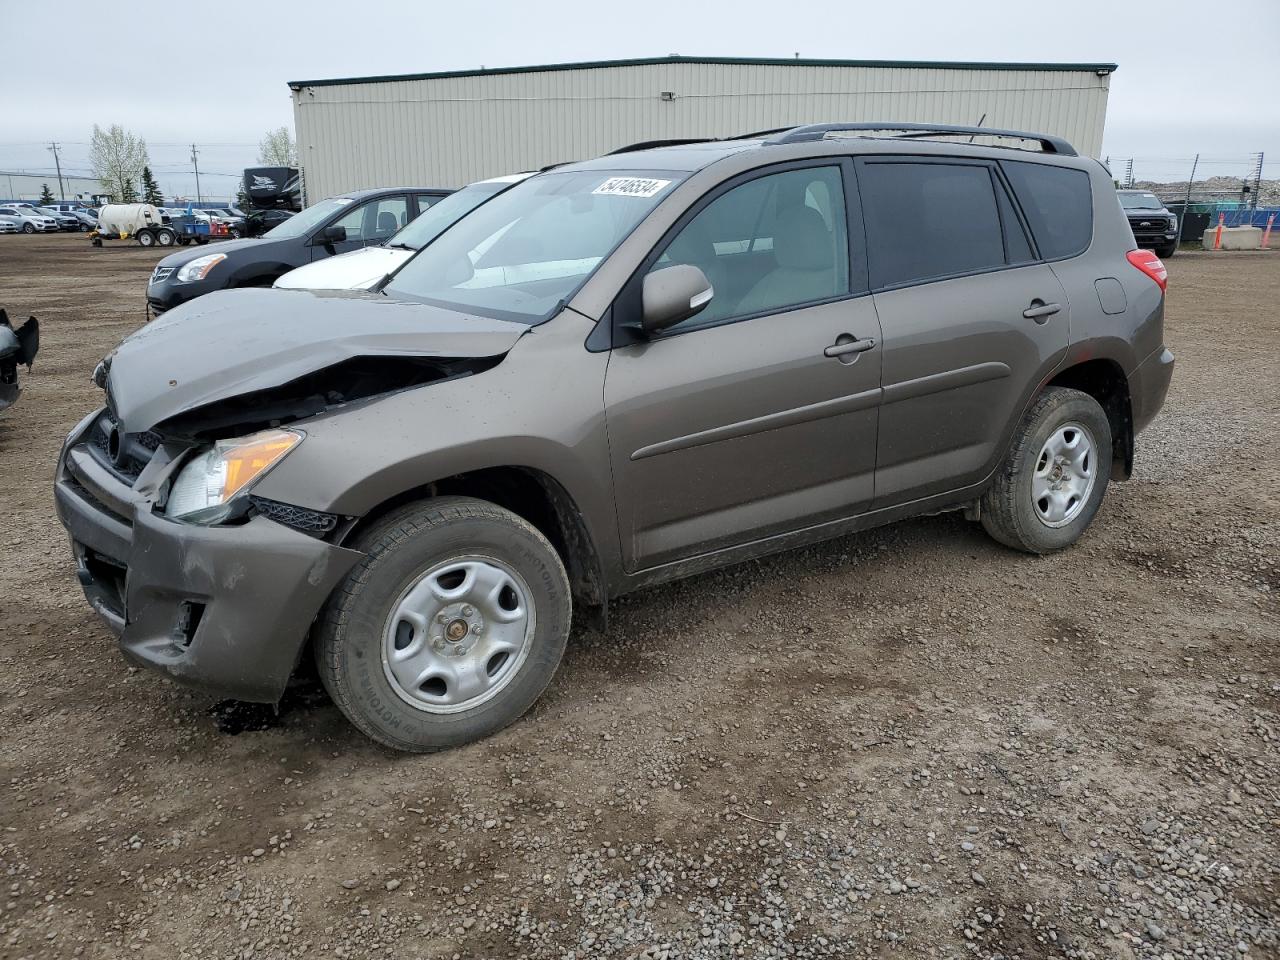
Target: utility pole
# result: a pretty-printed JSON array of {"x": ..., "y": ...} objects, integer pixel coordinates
[
  {"x": 53, "y": 148},
  {"x": 1257, "y": 180},
  {"x": 1128, "y": 172},
  {"x": 1186, "y": 204},
  {"x": 195, "y": 153}
]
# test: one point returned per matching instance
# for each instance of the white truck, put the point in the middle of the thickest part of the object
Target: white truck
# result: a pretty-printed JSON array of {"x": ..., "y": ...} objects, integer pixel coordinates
[{"x": 139, "y": 221}]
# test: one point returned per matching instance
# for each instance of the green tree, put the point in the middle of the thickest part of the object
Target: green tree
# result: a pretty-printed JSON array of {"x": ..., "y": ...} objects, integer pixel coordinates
[
  {"x": 277, "y": 149},
  {"x": 242, "y": 199},
  {"x": 117, "y": 158},
  {"x": 46, "y": 195},
  {"x": 150, "y": 189}
]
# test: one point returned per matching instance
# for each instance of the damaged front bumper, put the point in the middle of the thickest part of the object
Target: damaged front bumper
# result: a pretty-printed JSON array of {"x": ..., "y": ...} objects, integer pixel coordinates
[{"x": 225, "y": 609}]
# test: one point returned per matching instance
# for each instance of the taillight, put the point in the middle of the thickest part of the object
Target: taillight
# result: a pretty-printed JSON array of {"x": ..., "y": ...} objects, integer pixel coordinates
[{"x": 1151, "y": 265}]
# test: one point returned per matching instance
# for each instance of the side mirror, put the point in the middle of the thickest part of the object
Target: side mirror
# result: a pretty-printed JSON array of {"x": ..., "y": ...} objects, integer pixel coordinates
[
  {"x": 333, "y": 234},
  {"x": 673, "y": 294}
]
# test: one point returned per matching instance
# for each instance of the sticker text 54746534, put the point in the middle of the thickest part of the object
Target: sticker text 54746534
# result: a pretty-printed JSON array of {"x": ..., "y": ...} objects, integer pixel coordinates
[{"x": 643, "y": 187}]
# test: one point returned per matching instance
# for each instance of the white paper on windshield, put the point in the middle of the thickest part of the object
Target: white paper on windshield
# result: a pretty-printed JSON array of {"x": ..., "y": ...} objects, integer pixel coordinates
[{"x": 643, "y": 187}]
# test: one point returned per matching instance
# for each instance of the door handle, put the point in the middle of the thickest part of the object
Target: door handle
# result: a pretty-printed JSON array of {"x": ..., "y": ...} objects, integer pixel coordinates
[
  {"x": 846, "y": 346},
  {"x": 1040, "y": 312}
]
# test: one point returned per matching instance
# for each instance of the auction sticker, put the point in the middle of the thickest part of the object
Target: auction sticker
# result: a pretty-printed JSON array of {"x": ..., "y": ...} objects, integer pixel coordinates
[{"x": 643, "y": 187}]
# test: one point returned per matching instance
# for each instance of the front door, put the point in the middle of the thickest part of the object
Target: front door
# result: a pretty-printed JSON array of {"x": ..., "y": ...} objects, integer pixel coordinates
[
  {"x": 758, "y": 415},
  {"x": 367, "y": 224},
  {"x": 970, "y": 319}
]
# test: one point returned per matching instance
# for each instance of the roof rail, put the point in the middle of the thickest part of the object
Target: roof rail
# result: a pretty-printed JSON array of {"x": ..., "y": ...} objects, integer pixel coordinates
[
  {"x": 817, "y": 131},
  {"x": 650, "y": 144}
]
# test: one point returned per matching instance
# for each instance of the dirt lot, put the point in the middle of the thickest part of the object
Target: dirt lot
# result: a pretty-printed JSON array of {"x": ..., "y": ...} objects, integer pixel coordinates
[{"x": 908, "y": 743}]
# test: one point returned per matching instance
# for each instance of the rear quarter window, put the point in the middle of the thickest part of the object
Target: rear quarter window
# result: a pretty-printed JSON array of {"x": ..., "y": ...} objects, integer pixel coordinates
[{"x": 1058, "y": 203}]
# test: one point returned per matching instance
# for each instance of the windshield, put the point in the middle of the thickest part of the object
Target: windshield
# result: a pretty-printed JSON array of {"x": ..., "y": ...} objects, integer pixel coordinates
[
  {"x": 525, "y": 251},
  {"x": 304, "y": 222},
  {"x": 1140, "y": 201},
  {"x": 445, "y": 213}
]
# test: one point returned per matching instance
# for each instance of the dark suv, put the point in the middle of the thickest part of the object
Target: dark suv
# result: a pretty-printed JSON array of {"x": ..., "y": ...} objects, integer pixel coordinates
[
  {"x": 1153, "y": 226},
  {"x": 333, "y": 226},
  {"x": 611, "y": 375}
]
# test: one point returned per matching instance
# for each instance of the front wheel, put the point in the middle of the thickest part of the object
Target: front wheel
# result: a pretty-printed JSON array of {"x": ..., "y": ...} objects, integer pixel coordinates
[
  {"x": 146, "y": 238},
  {"x": 1053, "y": 481},
  {"x": 1167, "y": 251},
  {"x": 165, "y": 237},
  {"x": 28, "y": 228},
  {"x": 450, "y": 627}
]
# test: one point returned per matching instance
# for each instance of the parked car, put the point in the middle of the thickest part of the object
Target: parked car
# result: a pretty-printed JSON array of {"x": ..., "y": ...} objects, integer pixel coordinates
[
  {"x": 611, "y": 375},
  {"x": 333, "y": 226},
  {"x": 17, "y": 348},
  {"x": 260, "y": 221},
  {"x": 30, "y": 220},
  {"x": 10, "y": 224},
  {"x": 365, "y": 268},
  {"x": 1153, "y": 226},
  {"x": 66, "y": 221},
  {"x": 85, "y": 220},
  {"x": 234, "y": 224}
]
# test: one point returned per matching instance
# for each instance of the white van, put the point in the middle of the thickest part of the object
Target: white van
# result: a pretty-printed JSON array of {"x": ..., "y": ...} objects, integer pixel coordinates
[{"x": 364, "y": 269}]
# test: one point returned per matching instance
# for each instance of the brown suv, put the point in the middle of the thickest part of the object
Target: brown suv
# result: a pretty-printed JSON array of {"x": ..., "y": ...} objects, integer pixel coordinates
[{"x": 616, "y": 373}]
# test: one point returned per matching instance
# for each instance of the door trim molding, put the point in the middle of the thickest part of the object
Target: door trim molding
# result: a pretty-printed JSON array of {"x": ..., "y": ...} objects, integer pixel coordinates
[
  {"x": 772, "y": 421},
  {"x": 946, "y": 380}
]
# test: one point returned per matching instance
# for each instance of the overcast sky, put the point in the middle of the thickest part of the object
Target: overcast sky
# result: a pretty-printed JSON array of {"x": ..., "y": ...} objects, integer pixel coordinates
[{"x": 1193, "y": 76}]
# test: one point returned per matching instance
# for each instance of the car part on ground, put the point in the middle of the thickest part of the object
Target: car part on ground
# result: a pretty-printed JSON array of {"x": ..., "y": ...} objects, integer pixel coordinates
[
  {"x": 331, "y": 227},
  {"x": 17, "y": 348},
  {"x": 614, "y": 374}
]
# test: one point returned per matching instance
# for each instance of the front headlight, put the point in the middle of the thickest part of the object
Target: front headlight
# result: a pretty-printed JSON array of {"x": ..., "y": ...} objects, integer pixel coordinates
[
  {"x": 199, "y": 268},
  {"x": 206, "y": 488}
]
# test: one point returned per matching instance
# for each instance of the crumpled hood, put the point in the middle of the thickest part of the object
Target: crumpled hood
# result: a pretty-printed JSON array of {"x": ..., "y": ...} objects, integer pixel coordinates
[{"x": 235, "y": 342}]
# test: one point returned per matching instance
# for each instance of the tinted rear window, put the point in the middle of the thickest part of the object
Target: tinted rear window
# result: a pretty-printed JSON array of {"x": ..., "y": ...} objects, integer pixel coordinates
[
  {"x": 929, "y": 220},
  {"x": 1058, "y": 203}
]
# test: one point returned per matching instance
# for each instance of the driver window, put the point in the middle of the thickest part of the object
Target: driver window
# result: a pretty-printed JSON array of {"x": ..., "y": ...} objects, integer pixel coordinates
[{"x": 771, "y": 243}]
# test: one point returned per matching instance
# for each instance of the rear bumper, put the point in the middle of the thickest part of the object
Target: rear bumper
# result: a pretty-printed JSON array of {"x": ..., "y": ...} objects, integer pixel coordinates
[
  {"x": 1148, "y": 386},
  {"x": 223, "y": 609}
]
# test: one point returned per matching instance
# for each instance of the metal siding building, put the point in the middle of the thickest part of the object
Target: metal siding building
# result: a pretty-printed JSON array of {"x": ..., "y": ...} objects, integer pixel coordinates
[
  {"x": 448, "y": 129},
  {"x": 17, "y": 185}
]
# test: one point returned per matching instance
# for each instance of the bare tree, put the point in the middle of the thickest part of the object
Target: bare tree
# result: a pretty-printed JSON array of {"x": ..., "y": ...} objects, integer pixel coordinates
[
  {"x": 117, "y": 158},
  {"x": 277, "y": 149}
]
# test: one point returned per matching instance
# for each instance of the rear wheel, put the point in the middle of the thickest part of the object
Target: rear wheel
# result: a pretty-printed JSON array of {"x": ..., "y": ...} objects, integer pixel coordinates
[
  {"x": 146, "y": 238},
  {"x": 1053, "y": 481},
  {"x": 450, "y": 627},
  {"x": 165, "y": 237}
]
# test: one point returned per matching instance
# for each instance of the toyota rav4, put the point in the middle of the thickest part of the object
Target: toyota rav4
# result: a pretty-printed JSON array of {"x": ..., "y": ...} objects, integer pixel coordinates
[{"x": 613, "y": 374}]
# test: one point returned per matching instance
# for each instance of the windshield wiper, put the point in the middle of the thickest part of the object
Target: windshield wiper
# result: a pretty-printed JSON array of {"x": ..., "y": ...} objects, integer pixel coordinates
[{"x": 401, "y": 246}]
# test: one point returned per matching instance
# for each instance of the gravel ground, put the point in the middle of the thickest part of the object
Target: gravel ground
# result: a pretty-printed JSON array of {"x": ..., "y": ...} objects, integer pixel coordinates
[{"x": 906, "y": 743}]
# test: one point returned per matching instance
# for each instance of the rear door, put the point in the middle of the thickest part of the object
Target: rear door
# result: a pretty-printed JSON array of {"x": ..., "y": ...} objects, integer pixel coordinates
[
  {"x": 970, "y": 319},
  {"x": 757, "y": 416}
]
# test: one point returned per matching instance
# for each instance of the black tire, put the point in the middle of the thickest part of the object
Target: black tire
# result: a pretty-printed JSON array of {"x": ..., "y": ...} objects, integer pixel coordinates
[
  {"x": 200, "y": 241},
  {"x": 28, "y": 228},
  {"x": 165, "y": 237},
  {"x": 1164, "y": 253},
  {"x": 183, "y": 241},
  {"x": 146, "y": 238},
  {"x": 97, "y": 241},
  {"x": 85, "y": 228},
  {"x": 398, "y": 551},
  {"x": 1009, "y": 512}
]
